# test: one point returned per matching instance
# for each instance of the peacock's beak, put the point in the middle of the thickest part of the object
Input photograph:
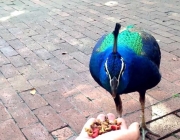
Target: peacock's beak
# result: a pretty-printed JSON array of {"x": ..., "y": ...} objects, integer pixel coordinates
[{"x": 114, "y": 84}]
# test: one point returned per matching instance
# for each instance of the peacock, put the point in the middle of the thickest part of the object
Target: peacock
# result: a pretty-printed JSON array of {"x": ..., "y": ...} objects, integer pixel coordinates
[{"x": 126, "y": 61}]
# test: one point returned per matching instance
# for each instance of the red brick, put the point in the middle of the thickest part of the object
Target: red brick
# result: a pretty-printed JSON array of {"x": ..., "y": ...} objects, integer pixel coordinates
[
  {"x": 43, "y": 54},
  {"x": 166, "y": 107},
  {"x": 169, "y": 75},
  {"x": 8, "y": 51},
  {"x": 65, "y": 87},
  {"x": 159, "y": 94},
  {"x": 4, "y": 115},
  {"x": 22, "y": 115},
  {"x": 149, "y": 100},
  {"x": 10, "y": 131},
  {"x": 165, "y": 125},
  {"x": 9, "y": 71},
  {"x": 105, "y": 104},
  {"x": 4, "y": 82},
  {"x": 38, "y": 82},
  {"x": 62, "y": 134},
  {"x": 36, "y": 131},
  {"x": 91, "y": 92},
  {"x": 51, "y": 74},
  {"x": 3, "y": 60},
  {"x": 56, "y": 100},
  {"x": 9, "y": 97},
  {"x": 18, "y": 61},
  {"x": 177, "y": 71},
  {"x": 137, "y": 116},
  {"x": 169, "y": 87},
  {"x": 75, "y": 65},
  {"x": 49, "y": 118},
  {"x": 37, "y": 63},
  {"x": 63, "y": 57},
  {"x": 26, "y": 52},
  {"x": 171, "y": 64},
  {"x": 84, "y": 105},
  {"x": 128, "y": 108},
  {"x": 74, "y": 119},
  {"x": 56, "y": 64},
  {"x": 171, "y": 138},
  {"x": 33, "y": 101},
  {"x": 81, "y": 57},
  {"x": 29, "y": 72},
  {"x": 16, "y": 44},
  {"x": 46, "y": 89},
  {"x": 19, "y": 83}
]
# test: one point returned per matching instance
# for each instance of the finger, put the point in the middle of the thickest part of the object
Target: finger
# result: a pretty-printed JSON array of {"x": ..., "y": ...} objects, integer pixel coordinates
[
  {"x": 101, "y": 117},
  {"x": 111, "y": 117},
  {"x": 123, "y": 123},
  {"x": 87, "y": 125},
  {"x": 134, "y": 130}
]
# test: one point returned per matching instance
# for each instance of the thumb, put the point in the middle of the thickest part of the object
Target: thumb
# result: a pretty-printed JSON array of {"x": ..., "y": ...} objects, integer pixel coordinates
[{"x": 134, "y": 130}]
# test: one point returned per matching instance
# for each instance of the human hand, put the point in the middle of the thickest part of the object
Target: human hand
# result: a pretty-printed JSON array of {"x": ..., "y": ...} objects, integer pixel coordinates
[{"x": 125, "y": 133}]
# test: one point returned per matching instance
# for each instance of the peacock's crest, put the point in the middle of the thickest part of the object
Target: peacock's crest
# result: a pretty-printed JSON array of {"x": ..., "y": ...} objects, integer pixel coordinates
[{"x": 128, "y": 37}]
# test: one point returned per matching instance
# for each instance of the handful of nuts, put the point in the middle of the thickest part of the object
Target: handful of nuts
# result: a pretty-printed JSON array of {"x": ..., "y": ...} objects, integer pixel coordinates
[{"x": 98, "y": 127}]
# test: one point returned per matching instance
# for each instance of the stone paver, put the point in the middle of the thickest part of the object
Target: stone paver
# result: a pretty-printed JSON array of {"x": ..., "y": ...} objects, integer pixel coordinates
[{"x": 46, "y": 45}]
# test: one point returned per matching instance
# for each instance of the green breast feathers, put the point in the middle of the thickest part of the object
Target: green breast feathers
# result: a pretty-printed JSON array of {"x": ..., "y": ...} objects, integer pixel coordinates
[{"x": 129, "y": 37}]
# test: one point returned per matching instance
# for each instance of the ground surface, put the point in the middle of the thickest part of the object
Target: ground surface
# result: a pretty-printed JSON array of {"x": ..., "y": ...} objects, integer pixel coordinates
[{"x": 45, "y": 46}]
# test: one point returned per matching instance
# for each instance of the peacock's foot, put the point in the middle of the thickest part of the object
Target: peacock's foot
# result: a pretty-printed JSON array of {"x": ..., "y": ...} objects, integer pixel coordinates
[{"x": 145, "y": 131}]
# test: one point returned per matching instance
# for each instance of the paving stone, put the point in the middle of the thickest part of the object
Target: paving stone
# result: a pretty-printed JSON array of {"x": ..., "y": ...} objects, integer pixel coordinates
[
  {"x": 56, "y": 100},
  {"x": 26, "y": 52},
  {"x": 9, "y": 97},
  {"x": 81, "y": 57},
  {"x": 28, "y": 72},
  {"x": 17, "y": 61},
  {"x": 166, "y": 107},
  {"x": 84, "y": 105},
  {"x": 56, "y": 64},
  {"x": 62, "y": 134},
  {"x": 16, "y": 44},
  {"x": 14, "y": 132},
  {"x": 37, "y": 82},
  {"x": 23, "y": 116},
  {"x": 34, "y": 46},
  {"x": 3, "y": 60},
  {"x": 19, "y": 83},
  {"x": 171, "y": 138},
  {"x": 159, "y": 94},
  {"x": 50, "y": 119},
  {"x": 75, "y": 65},
  {"x": 36, "y": 131},
  {"x": 165, "y": 125},
  {"x": 76, "y": 121},
  {"x": 8, "y": 51},
  {"x": 43, "y": 54},
  {"x": 4, "y": 115},
  {"x": 9, "y": 71},
  {"x": 33, "y": 101}
]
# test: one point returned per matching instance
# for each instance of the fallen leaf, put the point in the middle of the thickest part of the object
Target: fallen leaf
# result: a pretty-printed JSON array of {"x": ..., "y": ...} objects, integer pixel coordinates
[{"x": 33, "y": 91}]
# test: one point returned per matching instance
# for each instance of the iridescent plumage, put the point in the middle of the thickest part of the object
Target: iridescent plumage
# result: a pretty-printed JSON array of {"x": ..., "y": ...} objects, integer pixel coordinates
[{"x": 134, "y": 67}]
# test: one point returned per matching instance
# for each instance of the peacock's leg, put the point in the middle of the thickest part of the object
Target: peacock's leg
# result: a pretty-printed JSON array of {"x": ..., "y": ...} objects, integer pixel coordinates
[
  {"x": 118, "y": 103},
  {"x": 144, "y": 129}
]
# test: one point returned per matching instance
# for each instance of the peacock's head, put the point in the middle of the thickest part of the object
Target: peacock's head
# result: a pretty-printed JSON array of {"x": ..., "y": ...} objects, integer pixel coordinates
[{"x": 114, "y": 65}]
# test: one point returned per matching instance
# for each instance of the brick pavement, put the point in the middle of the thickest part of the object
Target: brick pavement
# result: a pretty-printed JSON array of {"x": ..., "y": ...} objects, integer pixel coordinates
[{"x": 46, "y": 45}]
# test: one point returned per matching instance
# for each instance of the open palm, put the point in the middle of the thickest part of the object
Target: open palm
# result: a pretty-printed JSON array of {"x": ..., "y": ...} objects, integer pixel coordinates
[{"x": 125, "y": 133}]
